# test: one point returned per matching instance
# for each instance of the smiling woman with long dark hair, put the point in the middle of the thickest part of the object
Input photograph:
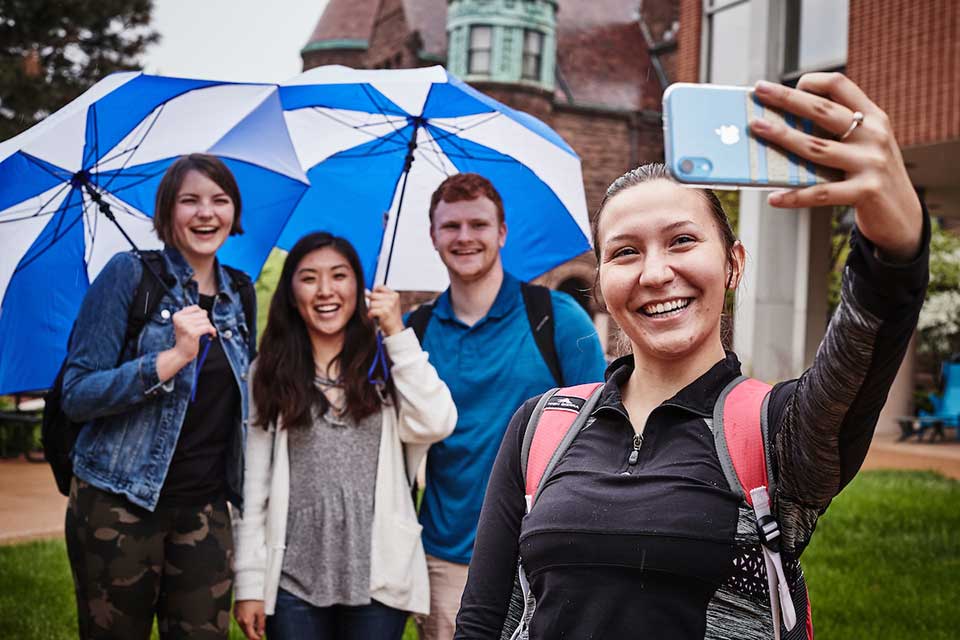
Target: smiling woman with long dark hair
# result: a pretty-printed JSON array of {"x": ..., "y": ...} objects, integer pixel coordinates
[{"x": 329, "y": 544}]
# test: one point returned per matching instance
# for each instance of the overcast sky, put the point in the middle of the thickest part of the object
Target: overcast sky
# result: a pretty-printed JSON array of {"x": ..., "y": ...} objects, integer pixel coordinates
[{"x": 251, "y": 40}]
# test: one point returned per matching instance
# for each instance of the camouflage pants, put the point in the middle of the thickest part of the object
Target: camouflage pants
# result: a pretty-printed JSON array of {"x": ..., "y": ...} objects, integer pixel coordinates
[{"x": 129, "y": 564}]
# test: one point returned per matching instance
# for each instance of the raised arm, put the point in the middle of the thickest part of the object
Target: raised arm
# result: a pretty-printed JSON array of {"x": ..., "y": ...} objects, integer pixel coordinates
[
  {"x": 823, "y": 422},
  {"x": 427, "y": 411}
]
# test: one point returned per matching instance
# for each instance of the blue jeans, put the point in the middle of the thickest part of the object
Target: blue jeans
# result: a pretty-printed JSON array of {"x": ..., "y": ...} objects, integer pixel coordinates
[{"x": 294, "y": 619}]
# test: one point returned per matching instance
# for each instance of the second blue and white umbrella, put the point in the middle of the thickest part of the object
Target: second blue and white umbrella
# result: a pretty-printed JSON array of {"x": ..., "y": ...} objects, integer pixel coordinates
[{"x": 356, "y": 132}]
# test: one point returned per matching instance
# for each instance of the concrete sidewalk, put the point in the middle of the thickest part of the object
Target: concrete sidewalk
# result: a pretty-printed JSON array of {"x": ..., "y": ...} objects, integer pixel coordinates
[
  {"x": 31, "y": 507},
  {"x": 942, "y": 456}
]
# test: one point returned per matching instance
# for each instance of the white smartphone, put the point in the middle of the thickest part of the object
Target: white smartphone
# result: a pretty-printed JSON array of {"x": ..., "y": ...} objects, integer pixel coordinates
[{"x": 707, "y": 141}]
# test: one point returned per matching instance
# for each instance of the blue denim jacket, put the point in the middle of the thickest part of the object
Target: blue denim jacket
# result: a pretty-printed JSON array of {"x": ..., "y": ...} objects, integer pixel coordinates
[{"x": 132, "y": 418}]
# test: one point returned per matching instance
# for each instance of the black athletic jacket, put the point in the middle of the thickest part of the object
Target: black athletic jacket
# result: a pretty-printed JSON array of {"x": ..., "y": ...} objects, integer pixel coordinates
[{"x": 662, "y": 548}]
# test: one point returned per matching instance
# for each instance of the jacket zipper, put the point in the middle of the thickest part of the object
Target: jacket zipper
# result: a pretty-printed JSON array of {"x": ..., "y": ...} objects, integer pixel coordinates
[{"x": 635, "y": 453}]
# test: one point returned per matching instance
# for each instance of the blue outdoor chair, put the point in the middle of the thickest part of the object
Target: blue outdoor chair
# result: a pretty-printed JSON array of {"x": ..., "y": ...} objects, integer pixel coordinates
[{"x": 946, "y": 408}]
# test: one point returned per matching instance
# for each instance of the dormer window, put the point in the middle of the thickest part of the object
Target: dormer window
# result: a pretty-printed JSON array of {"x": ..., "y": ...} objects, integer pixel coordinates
[
  {"x": 480, "y": 52},
  {"x": 532, "y": 54}
]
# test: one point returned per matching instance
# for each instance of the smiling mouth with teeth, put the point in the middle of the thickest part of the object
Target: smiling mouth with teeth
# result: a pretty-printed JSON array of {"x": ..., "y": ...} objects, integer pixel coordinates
[
  {"x": 326, "y": 308},
  {"x": 205, "y": 231},
  {"x": 660, "y": 309}
]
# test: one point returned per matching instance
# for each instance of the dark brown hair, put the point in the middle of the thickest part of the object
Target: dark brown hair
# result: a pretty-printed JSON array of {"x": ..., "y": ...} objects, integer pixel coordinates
[
  {"x": 283, "y": 389},
  {"x": 208, "y": 165},
  {"x": 466, "y": 186},
  {"x": 658, "y": 171}
]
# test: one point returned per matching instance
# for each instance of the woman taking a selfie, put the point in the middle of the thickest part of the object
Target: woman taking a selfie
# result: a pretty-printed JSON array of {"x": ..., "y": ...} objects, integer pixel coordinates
[
  {"x": 147, "y": 527},
  {"x": 637, "y": 532},
  {"x": 329, "y": 543}
]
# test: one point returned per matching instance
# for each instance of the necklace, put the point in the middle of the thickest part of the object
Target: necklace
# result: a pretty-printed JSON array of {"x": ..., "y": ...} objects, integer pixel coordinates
[
  {"x": 331, "y": 388},
  {"x": 323, "y": 381}
]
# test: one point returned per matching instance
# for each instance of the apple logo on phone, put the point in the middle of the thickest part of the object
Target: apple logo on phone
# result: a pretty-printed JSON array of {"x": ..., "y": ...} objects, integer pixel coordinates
[{"x": 729, "y": 133}]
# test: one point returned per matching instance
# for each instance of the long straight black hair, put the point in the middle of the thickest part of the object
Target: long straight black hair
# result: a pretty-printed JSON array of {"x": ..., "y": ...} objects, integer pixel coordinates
[{"x": 284, "y": 392}]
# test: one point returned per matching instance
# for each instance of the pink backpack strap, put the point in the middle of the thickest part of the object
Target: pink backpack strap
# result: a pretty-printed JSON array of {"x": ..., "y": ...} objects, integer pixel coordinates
[
  {"x": 741, "y": 434},
  {"x": 554, "y": 423},
  {"x": 739, "y": 424}
]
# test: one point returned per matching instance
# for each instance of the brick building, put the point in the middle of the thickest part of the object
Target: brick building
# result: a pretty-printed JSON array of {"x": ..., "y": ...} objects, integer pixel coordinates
[
  {"x": 594, "y": 70},
  {"x": 906, "y": 56}
]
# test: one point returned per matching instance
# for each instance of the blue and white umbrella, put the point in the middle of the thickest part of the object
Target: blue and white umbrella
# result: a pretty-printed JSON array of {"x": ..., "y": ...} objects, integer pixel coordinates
[
  {"x": 114, "y": 142},
  {"x": 376, "y": 144}
]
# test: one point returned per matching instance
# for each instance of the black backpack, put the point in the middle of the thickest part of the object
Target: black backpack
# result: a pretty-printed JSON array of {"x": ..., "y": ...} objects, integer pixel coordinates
[
  {"x": 539, "y": 307},
  {"x": 57, "y": 432}
]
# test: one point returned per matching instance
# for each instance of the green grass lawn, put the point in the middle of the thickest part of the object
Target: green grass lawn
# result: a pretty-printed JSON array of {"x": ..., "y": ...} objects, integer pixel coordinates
[
  {"x": 885, "y": 560},
  {"x": 884, "y": 564}
]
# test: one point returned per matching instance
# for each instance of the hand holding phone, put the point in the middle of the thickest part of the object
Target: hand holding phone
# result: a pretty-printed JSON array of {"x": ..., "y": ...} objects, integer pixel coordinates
[
  {"x": 854, "y": 159},
  {"x": 708, "y": 140}
]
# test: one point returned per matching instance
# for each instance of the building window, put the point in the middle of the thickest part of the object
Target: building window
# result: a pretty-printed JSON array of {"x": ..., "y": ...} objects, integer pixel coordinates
[
  {"x": 532, "y": 54},
  {"x": 816, "y": 37},
  {"x": 480, "y": 51},
  {"x": 729, "y": 44}
]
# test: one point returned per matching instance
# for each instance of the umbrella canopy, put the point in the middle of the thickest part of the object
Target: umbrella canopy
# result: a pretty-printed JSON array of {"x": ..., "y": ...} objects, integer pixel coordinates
[
  {"x": 115, "y": 142},
  {"x": 377, "y": 143}
]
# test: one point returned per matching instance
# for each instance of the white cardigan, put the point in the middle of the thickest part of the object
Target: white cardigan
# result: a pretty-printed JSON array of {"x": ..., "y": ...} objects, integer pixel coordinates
[{"x": 398, "y": 567}]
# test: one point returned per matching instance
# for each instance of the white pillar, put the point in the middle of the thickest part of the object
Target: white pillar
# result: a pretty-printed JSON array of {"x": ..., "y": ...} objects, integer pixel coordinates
[{"x": 781, "y": 310}]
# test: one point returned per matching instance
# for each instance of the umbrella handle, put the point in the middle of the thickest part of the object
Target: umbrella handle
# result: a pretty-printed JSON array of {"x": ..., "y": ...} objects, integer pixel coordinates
[
  {"x": 205, "y": 342},
  {"x": 379, "y": 361}
]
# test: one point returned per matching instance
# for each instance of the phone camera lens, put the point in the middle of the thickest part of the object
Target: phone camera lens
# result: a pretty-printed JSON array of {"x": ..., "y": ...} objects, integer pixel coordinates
[{"x": 686, "y": 166}]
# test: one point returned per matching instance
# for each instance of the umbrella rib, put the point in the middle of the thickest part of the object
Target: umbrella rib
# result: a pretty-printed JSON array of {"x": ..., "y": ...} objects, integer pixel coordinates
[
  {"x": 452, "y": 140},
  {"x": 92, "y": 227},
  {"x": 383, "y": 113},
  {"x": 458, "y": 130},
  {"x": 36, "y": 213},
  {"x": 56, "y": 236},
  {"x": 437, "y": 151},
  {"x": 120, "y": 204},
  {"x": 374, "y": 154},
  {"x": 145, "y": 177},
  {"x": 359, "y": 127},
  {"x": 96, "y": 134},
  {"x": 380, "y": 142},
  {"x": 436, "y": 162},
  {"x": 136, "y": 132},
  {"x": 36, "y": 161},
  {"x": 396, "y": 130},
  {"x": 134, "y": 148}
]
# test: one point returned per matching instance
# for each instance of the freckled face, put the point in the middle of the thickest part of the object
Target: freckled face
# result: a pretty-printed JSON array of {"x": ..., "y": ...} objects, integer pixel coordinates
[{"x": 664, "y": 269}]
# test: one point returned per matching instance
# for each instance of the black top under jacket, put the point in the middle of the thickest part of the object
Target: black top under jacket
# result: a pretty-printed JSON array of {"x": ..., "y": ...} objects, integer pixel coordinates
[
  {"x": 662, "y": 548},
  {"x": 197, "y": 471}
]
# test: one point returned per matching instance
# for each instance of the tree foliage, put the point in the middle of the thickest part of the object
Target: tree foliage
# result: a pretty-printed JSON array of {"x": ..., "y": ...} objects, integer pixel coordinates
[
  {"x": 939, "y": 327},
  {"x": 51, "y": 51}
]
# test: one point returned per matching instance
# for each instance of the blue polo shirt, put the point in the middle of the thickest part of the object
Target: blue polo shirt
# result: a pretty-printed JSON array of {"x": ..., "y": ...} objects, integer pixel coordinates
[{"x": 490, "y": 368}]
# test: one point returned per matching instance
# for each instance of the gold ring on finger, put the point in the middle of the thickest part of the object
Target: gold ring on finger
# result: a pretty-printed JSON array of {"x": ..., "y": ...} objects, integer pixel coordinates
[{"x": 854, "y": 123}]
